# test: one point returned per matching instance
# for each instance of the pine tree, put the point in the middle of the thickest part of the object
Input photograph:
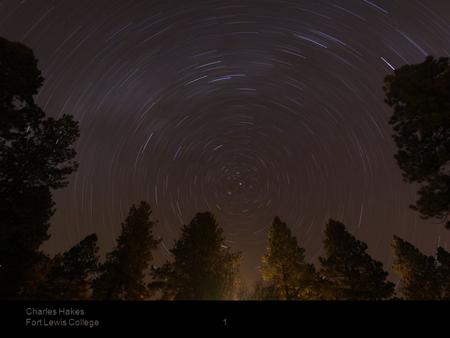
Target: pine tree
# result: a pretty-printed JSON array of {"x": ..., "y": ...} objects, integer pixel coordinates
[
  {"x": 443, "y": 260},
  {"x": 284, "y": 267},
  {"x": 422, "y": 277},
  {"x": 203, "y": 267},
  {"x": 36, "y": 156},
  {"x": 67, "y": 276},
  {"x": 71, "y": 277},
  {"x": 419, "y": 95},
  {"x": 122, "y": 276},
  {"x": 348, "y": 272},
  {"x": 417, "y": 271}
]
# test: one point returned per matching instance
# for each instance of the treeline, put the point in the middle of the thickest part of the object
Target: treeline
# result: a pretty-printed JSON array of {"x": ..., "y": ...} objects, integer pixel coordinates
[
  {"x": 205, "y": 268},
  {"x": 37, "y": 155},
  {"x": 347, "y": 271}
]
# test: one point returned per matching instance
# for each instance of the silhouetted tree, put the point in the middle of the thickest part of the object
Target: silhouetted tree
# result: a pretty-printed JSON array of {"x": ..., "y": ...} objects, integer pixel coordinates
[
  {"x": 203, "y": 266},
  {"x": 122, "y": 276},
  {"x": 284, "y": 267},
  {"x": 443, "y": 268},
  {"x": 420, "y": 96},
  {"x": 418, "y": 272},
  {"x": 36, "y": 156},
  {"x": 67, "y": 276},
  {"x": 348, "y": 272}
]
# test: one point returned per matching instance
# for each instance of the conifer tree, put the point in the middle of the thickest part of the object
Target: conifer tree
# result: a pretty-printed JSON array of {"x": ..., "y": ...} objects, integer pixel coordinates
[
  {"x": 203, "y": 266},
  {"x": 123, "y": 275},
  {"x": 36, "y": 157},
  {"x": 72, "y": 277},
  {"x": 419, "y": 95},
  {"x": 67, "y": 276},
  {"x": 284, "y": 267},
  {"x": 348, "y": 272},
  {"x": 418, "y": 272}
]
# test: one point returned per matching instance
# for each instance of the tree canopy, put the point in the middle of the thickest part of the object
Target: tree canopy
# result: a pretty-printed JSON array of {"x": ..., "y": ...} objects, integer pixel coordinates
[
  {"x": 422, "y": 277},
  {"x": 419, "y": 95},
  {"x": 67, "y": 276},
  {"x": 36, "y": 157},
  {"x": 123, "y": 275},
  {"x": 203, "y": 266},
  {"x": 284, "y": 266},
  {"x": 348, "y": 272}
]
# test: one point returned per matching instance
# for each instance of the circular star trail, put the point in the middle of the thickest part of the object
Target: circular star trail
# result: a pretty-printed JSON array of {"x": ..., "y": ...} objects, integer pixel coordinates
[{"x": 249, "y": 109}]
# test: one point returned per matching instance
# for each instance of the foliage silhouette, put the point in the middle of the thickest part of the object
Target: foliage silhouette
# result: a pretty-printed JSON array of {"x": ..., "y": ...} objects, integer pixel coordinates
[
  {"x": 347, "y": 270},
  {"x": 122, "y": 276},
  {"x": 422, "y": 277},
  {"x": 203, "y": 267},
  {"x": 36, "y": 157},
  {"x": 284, "y": 267},
  {"x": 419, "y": 95},
  {"x": 67, "y": 276}
]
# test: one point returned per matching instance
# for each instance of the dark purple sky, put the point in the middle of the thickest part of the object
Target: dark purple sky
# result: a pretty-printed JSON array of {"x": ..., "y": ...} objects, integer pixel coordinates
[{"x": 249, "y": 109}]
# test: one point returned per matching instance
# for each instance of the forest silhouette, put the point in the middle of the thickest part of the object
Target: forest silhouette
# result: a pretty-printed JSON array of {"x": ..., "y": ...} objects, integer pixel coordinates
[{"x": 37, "y": 155}]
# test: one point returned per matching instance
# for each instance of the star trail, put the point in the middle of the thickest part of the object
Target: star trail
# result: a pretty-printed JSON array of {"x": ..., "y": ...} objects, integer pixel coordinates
[{"x": 248, "y": 109}]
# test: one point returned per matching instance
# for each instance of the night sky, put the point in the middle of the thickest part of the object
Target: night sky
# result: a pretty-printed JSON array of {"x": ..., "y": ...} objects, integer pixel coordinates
[{"x": 248, "y": 109}]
